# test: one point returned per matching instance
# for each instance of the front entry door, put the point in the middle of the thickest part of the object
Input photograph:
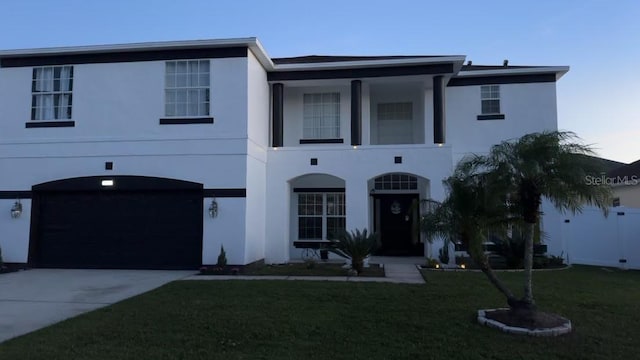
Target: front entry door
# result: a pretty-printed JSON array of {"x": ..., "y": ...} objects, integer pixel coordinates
[{"x": 396, "y": 217}]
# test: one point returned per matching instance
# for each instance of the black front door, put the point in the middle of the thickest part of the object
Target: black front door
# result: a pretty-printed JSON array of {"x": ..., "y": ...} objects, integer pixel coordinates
[{"x": 396, "y": 217}]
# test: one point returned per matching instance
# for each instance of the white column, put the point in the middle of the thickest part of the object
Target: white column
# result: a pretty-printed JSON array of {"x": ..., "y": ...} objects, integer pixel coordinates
[{"x": 357, "y": 203}]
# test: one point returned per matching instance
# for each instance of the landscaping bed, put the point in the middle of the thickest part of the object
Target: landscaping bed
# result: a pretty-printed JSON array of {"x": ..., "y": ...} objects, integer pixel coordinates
[{"x": 296, "y": 269}]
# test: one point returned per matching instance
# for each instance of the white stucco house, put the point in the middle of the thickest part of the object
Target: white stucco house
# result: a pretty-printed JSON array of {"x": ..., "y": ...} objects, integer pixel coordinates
[{"x": 154, "y": 155}]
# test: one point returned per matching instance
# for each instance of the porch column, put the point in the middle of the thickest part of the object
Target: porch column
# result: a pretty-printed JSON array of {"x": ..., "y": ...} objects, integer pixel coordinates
[
  {"x": 356, "y": 112},
  {"x": 438, "y": 110},
  {"x": 277, "y": 115}
]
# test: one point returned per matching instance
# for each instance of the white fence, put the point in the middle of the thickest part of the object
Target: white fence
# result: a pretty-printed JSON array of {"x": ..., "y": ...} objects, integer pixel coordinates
[{"x": 591, "y": 239}]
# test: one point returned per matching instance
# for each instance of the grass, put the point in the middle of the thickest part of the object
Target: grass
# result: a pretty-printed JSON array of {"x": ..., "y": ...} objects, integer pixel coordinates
[
  {"x": 336, "y": 320},
  {"x": 319, "y": 269}
]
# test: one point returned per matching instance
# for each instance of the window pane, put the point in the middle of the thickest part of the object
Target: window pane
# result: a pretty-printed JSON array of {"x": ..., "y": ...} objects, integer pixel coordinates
[
  {"x": 335, "y": 227},
  {"x": 490, "y": 106},
  {"x": 170, "y": 80},
  {"x": 310, "y": 228},
  {"x": 181, "y": 80},
  {"x": 181, "y": 109},
  {"x": 203, "y": 80},
  {"x": 171, "y": 67},
  {"x": 169, "y": 110}
]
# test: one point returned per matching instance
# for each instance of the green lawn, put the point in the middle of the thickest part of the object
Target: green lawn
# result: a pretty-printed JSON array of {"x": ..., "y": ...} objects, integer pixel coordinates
[{"x": 336, "y": 320}]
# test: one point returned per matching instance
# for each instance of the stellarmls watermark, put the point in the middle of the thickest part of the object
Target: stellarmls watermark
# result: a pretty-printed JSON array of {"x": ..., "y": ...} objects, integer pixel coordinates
[{"x": 612, "y": 180}]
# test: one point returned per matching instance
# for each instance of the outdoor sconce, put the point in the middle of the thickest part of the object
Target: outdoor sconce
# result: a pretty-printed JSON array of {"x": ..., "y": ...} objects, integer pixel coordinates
[
  {"x": 213, "y": 208},
  {"x": 16, "y": 209}
]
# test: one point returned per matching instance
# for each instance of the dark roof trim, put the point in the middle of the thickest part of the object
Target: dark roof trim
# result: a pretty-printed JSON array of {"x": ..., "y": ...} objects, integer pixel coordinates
[
  {"x": 360, "y": 72},
  {"x": 496, "y": 67},
  {"x": 501, "y": 79},
  {"x": 127, "y": 56},
  {"x": 314, "y": 59}
]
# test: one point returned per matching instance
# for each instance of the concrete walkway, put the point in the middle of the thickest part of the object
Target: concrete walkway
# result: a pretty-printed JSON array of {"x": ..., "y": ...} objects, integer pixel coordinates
[{"x": 33, "y": 299}]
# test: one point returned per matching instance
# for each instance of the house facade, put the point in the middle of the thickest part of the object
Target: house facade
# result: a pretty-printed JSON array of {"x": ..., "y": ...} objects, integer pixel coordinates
[{"x": 155, "y": 155}]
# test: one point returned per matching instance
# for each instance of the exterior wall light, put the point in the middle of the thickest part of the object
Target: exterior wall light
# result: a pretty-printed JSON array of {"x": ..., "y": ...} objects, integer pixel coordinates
[
  {"x": 213, "y": 208},
  {"x": 16, "y": 209}
]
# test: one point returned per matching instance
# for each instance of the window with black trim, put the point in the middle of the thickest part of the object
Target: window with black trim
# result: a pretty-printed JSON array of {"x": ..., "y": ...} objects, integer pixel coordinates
[
  {"x": 320, "y": 215},
  {"x": 321, "y": 118},
  {"x": 51, "y": 93},
  {"x": 490, "y": 96},
  {"x": 187, "y": 88}
]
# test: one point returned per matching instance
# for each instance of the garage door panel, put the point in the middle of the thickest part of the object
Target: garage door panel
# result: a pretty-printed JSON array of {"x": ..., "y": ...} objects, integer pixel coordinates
[{"x": 119, "y": 229}]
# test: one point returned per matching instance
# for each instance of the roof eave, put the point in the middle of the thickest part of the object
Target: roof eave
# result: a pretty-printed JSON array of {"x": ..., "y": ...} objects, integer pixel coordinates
[
  {"x": 457, "y": 60},
  {"x": 558, "y": 70}
]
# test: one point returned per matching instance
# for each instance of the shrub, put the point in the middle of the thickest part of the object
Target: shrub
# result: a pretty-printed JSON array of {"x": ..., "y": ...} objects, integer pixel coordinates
[
  {"x": 222, "y": 258},
  {"x": 556, "y": 261},
  {"x": 432, "y": 263},
  {"x": 540, "y": 262},
  {"x": 355, "y": 246},
  {"x": 443, "y": 254}
]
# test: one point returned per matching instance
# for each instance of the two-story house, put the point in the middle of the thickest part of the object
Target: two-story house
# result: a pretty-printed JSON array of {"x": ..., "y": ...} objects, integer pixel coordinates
[{"x": 155, "y": 155}]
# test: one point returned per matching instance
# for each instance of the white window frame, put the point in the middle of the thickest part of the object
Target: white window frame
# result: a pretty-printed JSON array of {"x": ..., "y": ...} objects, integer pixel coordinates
[
  {"x": 187, "y": 93},
  {"x": 490, "y": 93},
  {"x": 52, "y": 97},
  {"x": 337, "y": 211},
  {"x": 321, "y": 115}
]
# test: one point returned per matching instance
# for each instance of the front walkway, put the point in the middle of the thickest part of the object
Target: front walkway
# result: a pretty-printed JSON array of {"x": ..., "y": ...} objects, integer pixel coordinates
[{"x": 397, "y": 270}]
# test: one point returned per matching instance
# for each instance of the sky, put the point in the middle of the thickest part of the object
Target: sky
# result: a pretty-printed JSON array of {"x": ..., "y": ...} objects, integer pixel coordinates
[{"x": 599, "y": 98}]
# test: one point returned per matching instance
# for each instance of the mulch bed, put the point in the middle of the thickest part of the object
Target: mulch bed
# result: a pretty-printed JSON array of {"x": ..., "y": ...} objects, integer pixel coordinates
[{"x": 540, "y": 320}]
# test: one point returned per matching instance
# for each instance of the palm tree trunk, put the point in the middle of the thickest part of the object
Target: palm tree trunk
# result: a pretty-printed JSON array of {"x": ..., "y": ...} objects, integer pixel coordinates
[
  {"x": 488, "y": 271},
  {"x": 476, "y": 251},
  {"x": 528, "y": 264}
]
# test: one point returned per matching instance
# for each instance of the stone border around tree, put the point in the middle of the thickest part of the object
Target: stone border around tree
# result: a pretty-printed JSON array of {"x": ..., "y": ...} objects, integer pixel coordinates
[{"x": 555, "y": 331}]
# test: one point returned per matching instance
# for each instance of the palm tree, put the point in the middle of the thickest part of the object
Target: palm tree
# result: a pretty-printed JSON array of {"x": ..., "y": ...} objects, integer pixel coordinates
[
  {"x": 505, "y": 188},
  {"x": 472, "y": 209},
  {"x": 547, "y": 165}
]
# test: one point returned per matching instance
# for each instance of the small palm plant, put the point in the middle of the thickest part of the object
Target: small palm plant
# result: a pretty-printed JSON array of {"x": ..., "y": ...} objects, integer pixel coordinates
[{"x": 355, "y": 245}]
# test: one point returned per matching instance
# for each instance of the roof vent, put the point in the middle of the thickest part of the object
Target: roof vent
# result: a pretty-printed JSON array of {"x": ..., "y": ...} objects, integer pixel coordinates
[
  {"x": 505, "y": 63},
  {"x": 469, "y": 63}
]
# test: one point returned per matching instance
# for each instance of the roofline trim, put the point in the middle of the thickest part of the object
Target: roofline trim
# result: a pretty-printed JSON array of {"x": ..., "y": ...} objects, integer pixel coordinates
[
  {"x": 558, "y": 70},
  {"x": 368, "y": 63},
  {"x": 162, "y": 45}
]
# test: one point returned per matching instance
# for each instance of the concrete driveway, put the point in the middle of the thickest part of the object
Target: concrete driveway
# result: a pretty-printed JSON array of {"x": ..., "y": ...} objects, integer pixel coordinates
[{"x": 33, "y": 299}]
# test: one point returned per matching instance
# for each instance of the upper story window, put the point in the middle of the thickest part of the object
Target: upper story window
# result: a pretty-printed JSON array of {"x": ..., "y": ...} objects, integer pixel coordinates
[
  {"x": 187, "y": 88},
  {"x": 51, "y": 90},
  {"x": 490, "y": 95},
  {"x": 321, "y": 116}
]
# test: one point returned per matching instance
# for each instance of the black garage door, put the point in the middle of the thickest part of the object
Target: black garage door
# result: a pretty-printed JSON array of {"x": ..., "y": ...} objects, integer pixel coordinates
[{"x": 122, "y": 227}]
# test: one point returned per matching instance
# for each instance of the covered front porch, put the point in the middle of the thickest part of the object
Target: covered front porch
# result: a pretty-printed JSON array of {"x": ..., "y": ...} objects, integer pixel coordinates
[{"x": 386, "y": 105}]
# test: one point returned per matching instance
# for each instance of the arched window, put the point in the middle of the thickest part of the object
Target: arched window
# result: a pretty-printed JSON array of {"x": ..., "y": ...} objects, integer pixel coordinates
[{"x": 396, "y": 182}]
